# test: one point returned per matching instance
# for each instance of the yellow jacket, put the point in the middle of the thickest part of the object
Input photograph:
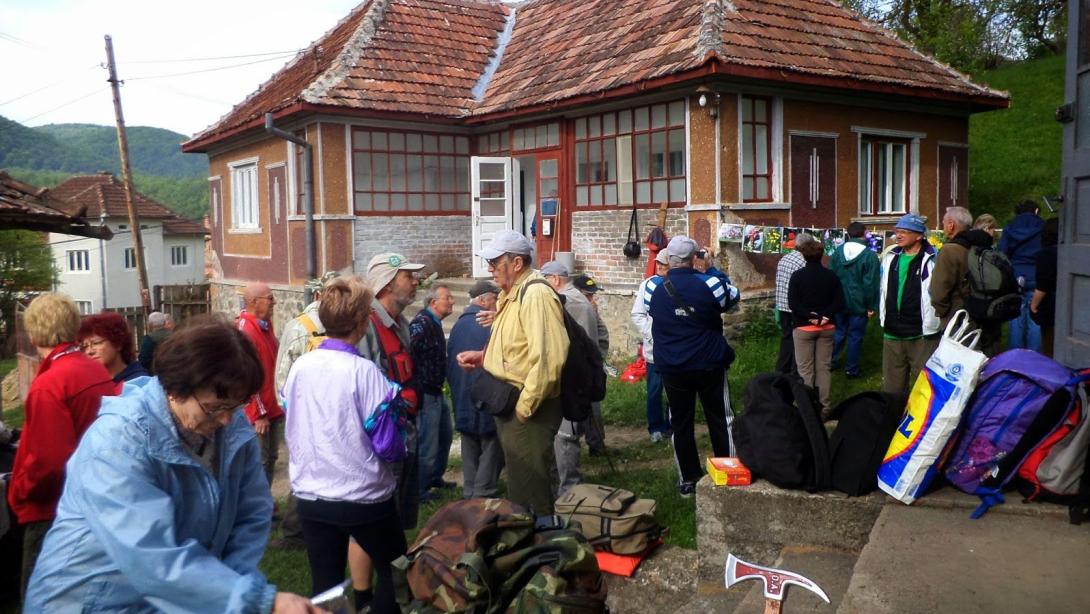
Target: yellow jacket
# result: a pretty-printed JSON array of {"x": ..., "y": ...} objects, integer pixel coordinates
[{"x": 528, "y": 344}]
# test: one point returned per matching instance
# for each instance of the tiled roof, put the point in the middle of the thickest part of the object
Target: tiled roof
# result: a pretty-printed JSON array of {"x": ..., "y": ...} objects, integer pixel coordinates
[
  {"x": 426, "y": 57},
  {"x": 25, "y": 206},
  {"x": 103, "y": 192}
]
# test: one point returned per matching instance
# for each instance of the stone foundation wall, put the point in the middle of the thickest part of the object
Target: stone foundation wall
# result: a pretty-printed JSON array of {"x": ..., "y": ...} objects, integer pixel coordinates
[
  {"x": 440, "y": 241},
  {"x": 227, "y": 299}
]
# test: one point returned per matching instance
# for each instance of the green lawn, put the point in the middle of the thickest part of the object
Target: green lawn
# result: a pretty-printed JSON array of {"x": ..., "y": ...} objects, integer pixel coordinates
[
  {"x": 640, "y": 466},
  {"x": 1015, "y": 153}
]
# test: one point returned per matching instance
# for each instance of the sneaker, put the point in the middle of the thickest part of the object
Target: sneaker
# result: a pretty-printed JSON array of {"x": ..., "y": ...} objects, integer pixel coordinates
[
  {"x": 686, "y": 489},
  {"x": 656, "y": 437}
]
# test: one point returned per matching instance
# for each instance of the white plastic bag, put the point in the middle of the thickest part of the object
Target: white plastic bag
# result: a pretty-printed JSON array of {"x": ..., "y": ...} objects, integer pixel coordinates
[{"x": 938, "y": 398}]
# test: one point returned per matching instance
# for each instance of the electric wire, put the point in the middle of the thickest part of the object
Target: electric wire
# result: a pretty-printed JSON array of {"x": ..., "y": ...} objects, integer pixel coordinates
[
  {"x": 205, "y": 70},
  {"x": 67, "y": 104},
  {"x": 209, "y": 59}
]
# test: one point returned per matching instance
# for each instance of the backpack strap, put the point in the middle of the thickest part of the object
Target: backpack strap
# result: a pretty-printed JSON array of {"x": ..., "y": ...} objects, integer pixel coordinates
[
  {"x": 308, "y": 323},
  {"x": 815, "y": 430},
  {"x": 680, "y": 302}
]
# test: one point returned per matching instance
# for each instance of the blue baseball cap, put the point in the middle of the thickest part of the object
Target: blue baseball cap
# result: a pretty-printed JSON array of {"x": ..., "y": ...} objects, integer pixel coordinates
[{"x": 912, "y": 222}]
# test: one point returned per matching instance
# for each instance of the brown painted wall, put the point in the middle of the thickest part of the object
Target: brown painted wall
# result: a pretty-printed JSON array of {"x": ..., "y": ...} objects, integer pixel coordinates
[
  {"x": 267, "y": 151},
  {"x": 823, "y": 117},
  {"x": 728, "y": 145},
  {"x": 702, "y": 154},
  {"x": 334, "y": 169}
]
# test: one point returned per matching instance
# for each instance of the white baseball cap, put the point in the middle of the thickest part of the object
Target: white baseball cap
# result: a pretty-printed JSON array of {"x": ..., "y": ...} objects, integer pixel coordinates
[{"x": 506, "y": 242}]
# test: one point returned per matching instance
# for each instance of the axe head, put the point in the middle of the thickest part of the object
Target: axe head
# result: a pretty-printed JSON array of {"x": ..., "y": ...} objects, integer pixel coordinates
[{"x": 775, "y": 580}]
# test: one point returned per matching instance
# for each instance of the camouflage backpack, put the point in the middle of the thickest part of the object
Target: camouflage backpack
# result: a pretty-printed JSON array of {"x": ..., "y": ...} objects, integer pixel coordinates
[{"x": 489, "y": 556}]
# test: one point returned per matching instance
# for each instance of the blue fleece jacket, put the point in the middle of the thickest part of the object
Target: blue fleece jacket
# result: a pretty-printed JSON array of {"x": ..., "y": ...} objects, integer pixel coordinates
[{"x": 1021, "y": 241}]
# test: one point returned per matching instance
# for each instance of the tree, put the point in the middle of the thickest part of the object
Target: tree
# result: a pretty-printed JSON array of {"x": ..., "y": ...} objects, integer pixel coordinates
[{"x": 26, "y": 265}]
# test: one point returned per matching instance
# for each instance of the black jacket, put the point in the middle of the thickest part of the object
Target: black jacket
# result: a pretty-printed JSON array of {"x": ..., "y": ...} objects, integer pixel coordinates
[{"x": 814, "y": 289}]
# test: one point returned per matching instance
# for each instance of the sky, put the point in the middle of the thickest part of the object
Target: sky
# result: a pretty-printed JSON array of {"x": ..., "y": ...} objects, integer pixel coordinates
[{"x": 52, "y": 54}]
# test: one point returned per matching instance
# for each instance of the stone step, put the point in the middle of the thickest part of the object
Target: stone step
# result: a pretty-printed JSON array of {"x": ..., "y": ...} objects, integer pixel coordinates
[{"x": 934, "y": 559}]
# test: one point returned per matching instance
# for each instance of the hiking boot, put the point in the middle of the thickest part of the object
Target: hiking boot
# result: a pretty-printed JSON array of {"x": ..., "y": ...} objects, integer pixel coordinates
[{"x": 686, "y": 489}]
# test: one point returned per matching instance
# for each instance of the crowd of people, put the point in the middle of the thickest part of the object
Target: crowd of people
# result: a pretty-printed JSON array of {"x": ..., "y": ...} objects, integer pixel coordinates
[{"x": 143, "y": 477}]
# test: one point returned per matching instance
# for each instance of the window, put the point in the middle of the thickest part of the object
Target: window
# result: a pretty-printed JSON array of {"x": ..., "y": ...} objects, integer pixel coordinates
[
  {"x": 179, "y": 255},
  {"x": 79, "y": 260},
  {"x": 494, "y": 144},
  {"x": 756, "y": 133},
  {"x": 85, "y": 308},
  {"x": 244, "y": 212},
  {"x": 410, "y": 172},
  {"x": 130, "y": 258},
  {"x": 536, "y": 137},
  {"x": 883, "y": 176},
  {"x": 634, "y": 155}
]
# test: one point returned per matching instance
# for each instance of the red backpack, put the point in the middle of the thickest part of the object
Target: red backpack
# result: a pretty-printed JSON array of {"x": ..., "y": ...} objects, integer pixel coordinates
[{"x": 1058, "y": 469}]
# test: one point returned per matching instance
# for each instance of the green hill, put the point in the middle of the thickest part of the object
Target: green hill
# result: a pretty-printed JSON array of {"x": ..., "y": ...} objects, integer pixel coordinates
[
  {"x": 1015, "y": 153},
  {"x": 47, "y": 155}
]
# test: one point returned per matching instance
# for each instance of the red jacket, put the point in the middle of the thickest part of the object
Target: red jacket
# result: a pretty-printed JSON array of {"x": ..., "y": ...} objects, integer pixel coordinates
[
  {"x": 63, "y": 401},
  {"x": 263, "y": 404}
]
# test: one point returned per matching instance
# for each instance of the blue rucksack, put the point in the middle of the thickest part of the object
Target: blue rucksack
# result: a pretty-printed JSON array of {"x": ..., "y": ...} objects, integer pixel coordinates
[{"x": 1021, "y": 398}]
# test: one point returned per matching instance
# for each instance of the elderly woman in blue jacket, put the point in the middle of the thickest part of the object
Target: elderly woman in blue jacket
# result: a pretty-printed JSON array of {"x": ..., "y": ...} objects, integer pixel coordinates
[{"x": 166, "y": 506}]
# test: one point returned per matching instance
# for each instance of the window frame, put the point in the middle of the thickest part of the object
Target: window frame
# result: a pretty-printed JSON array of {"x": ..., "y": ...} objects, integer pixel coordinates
[
  {"x": 770, "y": 175},
  {"x": 456, "y": 153},
  {"x": 90, "y": 306},
  {"x": 83, "y": 255},
  {"x": 179, "y": 249},
  {"x": 627, "y": 131},
  {"x": 128, "y": 258},
  {"x": 251, "y": 221},
  {"x": 871, "y": 149}
]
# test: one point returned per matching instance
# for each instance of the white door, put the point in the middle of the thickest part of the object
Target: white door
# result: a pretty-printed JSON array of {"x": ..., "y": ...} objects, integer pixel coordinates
[{"x": 494, "y": 188}]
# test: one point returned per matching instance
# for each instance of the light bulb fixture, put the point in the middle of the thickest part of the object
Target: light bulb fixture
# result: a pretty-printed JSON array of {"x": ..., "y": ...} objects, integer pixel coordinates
[{"x": 708, "y": 99}]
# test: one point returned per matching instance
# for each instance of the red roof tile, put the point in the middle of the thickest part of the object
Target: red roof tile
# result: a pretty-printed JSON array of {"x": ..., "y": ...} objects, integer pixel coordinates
[
  {"x": 426, "y": 57},
  {"x": 103, "y": 192},
  {"x": 26, "y": 206}
]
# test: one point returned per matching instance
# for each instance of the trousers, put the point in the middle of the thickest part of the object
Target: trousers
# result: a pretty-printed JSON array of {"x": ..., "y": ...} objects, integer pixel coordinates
[{"x": 683, "y": 389}]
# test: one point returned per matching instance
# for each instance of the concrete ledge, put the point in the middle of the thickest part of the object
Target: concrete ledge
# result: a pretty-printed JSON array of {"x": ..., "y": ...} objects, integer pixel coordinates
[{"x": 756, "y": 522}]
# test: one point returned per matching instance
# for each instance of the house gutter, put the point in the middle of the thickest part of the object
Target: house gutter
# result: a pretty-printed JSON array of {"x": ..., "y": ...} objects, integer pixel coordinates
[{"x": 308, "y": 198}]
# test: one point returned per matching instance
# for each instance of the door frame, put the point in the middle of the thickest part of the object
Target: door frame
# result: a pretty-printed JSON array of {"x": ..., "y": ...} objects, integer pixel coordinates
[{"x": 510, "y": 216}]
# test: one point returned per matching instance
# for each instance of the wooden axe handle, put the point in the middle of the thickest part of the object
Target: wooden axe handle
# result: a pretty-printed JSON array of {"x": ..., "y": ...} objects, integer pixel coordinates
[{"x": 773, "y": 606}]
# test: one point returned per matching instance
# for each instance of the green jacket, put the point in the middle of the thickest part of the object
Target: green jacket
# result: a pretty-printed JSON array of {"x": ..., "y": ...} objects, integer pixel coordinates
[{"x": 860, "y": 275}]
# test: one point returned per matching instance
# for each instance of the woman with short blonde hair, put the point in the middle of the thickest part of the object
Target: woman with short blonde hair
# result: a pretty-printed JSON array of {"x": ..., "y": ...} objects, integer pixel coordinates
[
  {"x": 61, "y": 404},
  {"x": 51, "y": 319},
  {"x": 986, "y": 222},
  {"x": 346, "y": 302}
]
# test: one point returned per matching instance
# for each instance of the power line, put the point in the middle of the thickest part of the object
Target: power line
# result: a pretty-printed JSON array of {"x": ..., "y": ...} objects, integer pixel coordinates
[
  {"x": 196, "y": 72},
  {"x": 208, "y": 59},
  {"x": 43, "y": 88},
  {"x": 69, "y": 103}
]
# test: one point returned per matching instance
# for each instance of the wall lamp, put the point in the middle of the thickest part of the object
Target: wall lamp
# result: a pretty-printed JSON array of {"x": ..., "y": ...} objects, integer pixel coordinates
[{"x": 708, "y": 99}]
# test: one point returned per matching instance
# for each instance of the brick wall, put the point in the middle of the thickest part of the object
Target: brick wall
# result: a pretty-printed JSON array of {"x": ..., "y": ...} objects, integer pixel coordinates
[
  {"x": 442, "y": 241},
  {"x": 599, "y": 236}
]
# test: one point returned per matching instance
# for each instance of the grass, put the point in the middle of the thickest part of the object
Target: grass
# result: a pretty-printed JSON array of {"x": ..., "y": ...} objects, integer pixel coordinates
[{"x": 1015, "y": 153}]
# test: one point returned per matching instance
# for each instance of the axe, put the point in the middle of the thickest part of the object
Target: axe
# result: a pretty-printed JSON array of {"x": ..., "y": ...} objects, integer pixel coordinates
[{"x": 775, "y": 582}]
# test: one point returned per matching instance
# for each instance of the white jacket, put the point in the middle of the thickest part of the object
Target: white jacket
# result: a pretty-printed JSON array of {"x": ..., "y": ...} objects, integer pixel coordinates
[
  {"x": 641, "y": 319},
  {"x": 930, "y": 321}
]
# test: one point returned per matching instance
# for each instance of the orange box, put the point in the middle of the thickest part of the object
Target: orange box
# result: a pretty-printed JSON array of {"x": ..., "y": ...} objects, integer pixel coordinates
[{"x": 728, "y": 472}]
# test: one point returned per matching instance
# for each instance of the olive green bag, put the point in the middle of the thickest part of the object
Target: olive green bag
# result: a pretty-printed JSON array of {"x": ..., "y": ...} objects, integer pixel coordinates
[{"x": 612, "y": 519}]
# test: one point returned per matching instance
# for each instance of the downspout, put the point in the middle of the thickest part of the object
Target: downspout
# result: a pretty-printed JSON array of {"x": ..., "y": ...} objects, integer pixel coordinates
[
  {"x": 308, "y": 198},
  {"x": 102, "y": 258},
  {"x": 718, "y": 166}
]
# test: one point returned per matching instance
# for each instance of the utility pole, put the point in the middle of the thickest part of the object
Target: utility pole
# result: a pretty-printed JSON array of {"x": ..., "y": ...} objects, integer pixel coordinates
[{"x": 126, "y": 178}]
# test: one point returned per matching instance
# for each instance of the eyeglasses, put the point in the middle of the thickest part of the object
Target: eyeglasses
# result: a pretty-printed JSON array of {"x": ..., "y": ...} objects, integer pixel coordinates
[
  {"x": 268, "y": 297},
  {"x": 218, "y": 411},
  {"x": 492, "y": 262},
  {"x": 91, "y": 343}
]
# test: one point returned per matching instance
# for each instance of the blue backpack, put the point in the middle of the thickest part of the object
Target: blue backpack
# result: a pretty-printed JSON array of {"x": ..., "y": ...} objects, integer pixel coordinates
[{"x": 1021, "y": 398}]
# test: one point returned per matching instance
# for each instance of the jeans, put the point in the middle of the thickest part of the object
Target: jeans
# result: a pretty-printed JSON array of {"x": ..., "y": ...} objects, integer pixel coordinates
[
  {"x": 1024, "y": 332},
  {"x": 270, "y": 447},
  {"x": 851, "y": 329},
  {"x": 434, "y": 436},
  {"x": 683, "y": 389},
  {"x": 656, "y": 419},
  {"x": 566, "y": 449},
  {"x": 405, "y": 471}
]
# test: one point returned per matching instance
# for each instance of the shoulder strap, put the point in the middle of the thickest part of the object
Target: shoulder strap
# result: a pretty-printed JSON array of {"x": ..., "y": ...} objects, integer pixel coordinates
[
  {"x": 308, "y": 324},
  {"x": 633, "y": 226},
  {"x": 525, "y": 286},
  {"x": 672, "y": 291},
  {"x": 819, "y": 442}
]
